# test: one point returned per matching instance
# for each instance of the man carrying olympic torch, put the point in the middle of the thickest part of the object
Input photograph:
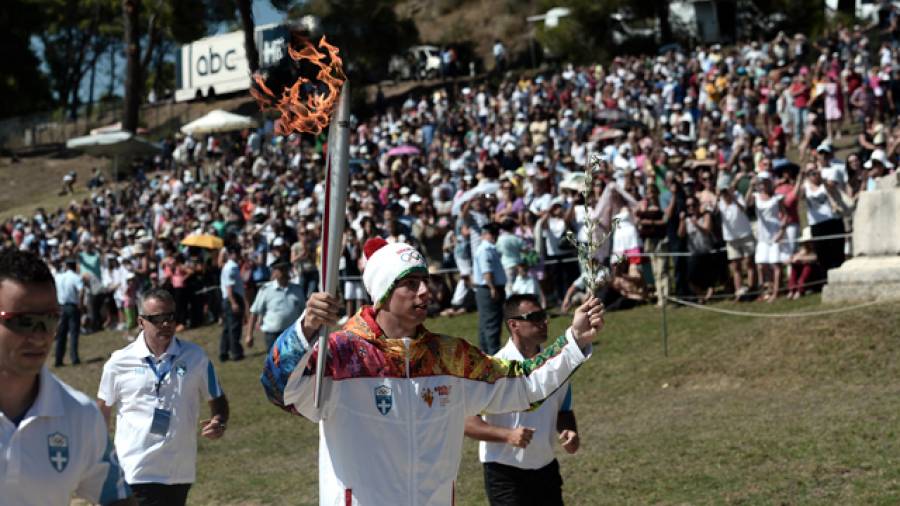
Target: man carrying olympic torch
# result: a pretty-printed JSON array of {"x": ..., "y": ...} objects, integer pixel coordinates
[
  {"x": 396, "y": 396},
  {"x": 390, "y": 397}
]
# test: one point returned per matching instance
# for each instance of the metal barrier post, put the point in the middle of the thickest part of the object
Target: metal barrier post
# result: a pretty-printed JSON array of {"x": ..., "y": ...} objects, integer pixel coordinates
[{"x": 665, "y": 326}]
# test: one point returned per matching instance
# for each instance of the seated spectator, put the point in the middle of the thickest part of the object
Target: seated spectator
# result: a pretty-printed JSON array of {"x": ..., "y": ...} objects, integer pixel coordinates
[{"x": 803, "y": 266}]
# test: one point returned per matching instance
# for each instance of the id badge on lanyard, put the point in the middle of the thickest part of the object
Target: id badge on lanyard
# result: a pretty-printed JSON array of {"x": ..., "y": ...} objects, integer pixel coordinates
[{"x": 162, "y": 416}]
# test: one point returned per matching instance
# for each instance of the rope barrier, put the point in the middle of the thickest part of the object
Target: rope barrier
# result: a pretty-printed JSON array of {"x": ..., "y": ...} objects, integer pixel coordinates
[
  {"x": 750, "y": 294},
  {"x": 643, "y": 255},
  {"x": 719, "y": 250},
  {"x": 774, "y": 315}
]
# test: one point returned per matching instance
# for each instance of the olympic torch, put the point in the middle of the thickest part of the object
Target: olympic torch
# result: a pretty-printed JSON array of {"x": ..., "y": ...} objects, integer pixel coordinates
[
  {"x": 315, "y": 95},
  {"x": 336, "y": 175}
]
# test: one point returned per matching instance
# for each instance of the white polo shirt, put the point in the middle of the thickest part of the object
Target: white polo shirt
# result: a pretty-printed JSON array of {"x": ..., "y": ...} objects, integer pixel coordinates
[
  {"x": 61, "y": 446},
  {"x": 540, "y": 452},
  {"x": 129, "y": 385}
]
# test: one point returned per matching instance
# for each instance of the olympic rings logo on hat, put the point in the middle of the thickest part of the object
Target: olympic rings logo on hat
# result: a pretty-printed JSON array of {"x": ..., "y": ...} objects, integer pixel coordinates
[{"x": 410, "y": 256}]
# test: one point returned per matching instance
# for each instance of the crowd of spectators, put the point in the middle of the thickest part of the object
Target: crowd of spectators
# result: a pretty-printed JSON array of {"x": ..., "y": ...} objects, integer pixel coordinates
[{"x": 719, "y": 168}]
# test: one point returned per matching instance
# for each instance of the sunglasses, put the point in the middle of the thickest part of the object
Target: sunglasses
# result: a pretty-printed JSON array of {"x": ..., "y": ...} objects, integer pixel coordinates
[
  {"x": 159, "y": 319},
  {"x": 539, "y": 316},
  {"x": 30, "y": 323}
]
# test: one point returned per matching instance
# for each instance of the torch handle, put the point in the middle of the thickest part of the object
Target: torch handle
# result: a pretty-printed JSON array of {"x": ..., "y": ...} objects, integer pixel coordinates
[{"x": 336, "y": 180}]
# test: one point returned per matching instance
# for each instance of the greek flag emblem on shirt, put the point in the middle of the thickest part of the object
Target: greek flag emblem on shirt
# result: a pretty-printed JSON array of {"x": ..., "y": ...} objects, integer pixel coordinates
[
  {"x": 58, "y": 451},
  {"x": 384, "y": 399}
]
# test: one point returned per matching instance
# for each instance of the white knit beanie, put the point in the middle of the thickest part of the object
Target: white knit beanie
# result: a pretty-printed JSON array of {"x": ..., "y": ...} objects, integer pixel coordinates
[{"x": 386, "y": 263}]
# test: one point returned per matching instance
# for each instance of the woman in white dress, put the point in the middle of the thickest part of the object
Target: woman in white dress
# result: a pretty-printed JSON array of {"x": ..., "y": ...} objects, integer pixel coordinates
[{"x": 771, "y": 251}]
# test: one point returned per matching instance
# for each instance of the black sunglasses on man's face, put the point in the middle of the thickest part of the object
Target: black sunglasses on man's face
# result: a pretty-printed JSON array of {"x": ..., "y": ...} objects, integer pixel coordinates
[
  {"x": 159, "y": 319},
  {"x": 538, "y": 316}
]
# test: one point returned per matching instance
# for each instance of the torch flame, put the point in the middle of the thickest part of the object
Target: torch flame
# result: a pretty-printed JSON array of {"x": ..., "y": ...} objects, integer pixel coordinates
[{"x": 303, "y": 110}]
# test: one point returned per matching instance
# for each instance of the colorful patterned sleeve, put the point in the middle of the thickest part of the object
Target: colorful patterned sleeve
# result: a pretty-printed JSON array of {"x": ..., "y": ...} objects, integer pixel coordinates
[
  {"x": 501, "y": 386},
  {"x": 290, "y": 354}
]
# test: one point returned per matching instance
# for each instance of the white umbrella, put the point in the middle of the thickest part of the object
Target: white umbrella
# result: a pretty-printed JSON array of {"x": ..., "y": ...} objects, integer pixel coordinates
[
  {"x": 482, "y": 188},
  {"x": 218, "y": 121},
  {"x": 114, "y": 145}
]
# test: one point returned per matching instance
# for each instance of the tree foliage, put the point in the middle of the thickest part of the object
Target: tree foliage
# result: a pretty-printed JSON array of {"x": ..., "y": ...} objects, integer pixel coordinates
[
  {"x": 583, "y": 36},
  {"x": 21, "y": 80},
  {"x": 367, "y": 31}
]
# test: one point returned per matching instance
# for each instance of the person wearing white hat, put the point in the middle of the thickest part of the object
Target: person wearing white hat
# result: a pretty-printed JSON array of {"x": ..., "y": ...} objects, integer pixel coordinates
[
  {"x": 400, "y": 394},
  {"x": 876, "y": 166},
  {"x": 802, "y": 265}
]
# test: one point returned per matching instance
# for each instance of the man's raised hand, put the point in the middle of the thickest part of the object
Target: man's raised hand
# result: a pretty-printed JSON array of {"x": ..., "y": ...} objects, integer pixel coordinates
[{"x": 588, "y": 321}]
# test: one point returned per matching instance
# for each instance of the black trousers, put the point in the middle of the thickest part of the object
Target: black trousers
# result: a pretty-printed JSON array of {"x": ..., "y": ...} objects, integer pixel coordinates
[
  {"x": 830, "y": 251},
  {"x": 230, "y": 342},
  {"x": 490, "y": 318},
  {"x": 157, "y": 494},
  {"x": 69, "y": 327},
  {"x": 511, "y": 486}
]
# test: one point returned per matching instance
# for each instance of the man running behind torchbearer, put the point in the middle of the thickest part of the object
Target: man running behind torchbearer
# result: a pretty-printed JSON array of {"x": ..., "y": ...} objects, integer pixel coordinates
[
  {"x": 396, "y": 396},
  {"x": 520, "y": 467}
]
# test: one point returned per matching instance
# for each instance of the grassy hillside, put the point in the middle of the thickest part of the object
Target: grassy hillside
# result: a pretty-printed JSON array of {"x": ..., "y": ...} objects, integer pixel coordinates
[{"x": 743, "y": 411}]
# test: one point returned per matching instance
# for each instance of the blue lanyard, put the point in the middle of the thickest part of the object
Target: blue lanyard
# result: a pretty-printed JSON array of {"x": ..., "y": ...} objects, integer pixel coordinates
[{"x": 162, "y": 372}]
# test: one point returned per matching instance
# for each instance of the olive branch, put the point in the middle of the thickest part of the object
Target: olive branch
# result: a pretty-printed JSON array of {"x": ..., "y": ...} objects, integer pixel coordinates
[{"x": 598, "y": 276}]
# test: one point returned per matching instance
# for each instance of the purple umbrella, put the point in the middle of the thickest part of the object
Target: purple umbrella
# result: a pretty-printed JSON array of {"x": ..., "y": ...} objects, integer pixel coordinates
[{"x": 405, "y": 149}]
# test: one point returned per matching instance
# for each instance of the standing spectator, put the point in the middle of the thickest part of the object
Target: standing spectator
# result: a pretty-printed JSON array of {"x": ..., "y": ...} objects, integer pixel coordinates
[
  {"x": 53, "y": 435},
  {"x": 834, "y": 106},
  {"x": 157, "y": 414},
  {"x": 800, "y": 95},
  {"x": 510, "y": 247},
  {"x": 277, "y": 305},
  {"x": 555, "y": 226},
  {"x": 677, "y": 241},
  {"x": 490, "y": 280},
  {"x": 499, "y": 51},
  {"x": 822, "y": 216},
  {"x": 352, "y": 255},
  {"x": 516, "y": 449},
  {"x": 303, "y": 257},
  {"x": 771, "y": 251},
  {"x": 784, "y": 186},
  {"x": 738, "y": 235},
  {"x": 89, "y": 266},
  {"x": 70, "y": 294},
  {"x": 181, "y": 272},
  {"x": 232, "y": 288},
  {"x": 526, "y": 284},
  {"x": 695, "y": 225},
  {"x": 651, "y": 225}
]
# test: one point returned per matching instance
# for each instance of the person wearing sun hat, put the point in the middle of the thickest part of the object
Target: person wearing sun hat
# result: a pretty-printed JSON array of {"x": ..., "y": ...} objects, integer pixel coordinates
[{"x": 399, "y": 394}]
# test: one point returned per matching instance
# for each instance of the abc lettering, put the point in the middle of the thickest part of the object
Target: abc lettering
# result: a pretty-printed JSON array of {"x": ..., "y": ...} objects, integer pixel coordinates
[{"x": 213, "y": 63}]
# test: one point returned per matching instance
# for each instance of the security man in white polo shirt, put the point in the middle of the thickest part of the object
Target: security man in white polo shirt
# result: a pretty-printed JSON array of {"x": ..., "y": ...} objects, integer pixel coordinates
[
  {"x": 53, "y": 441},
  {"x": 279, "y": 303},
  {"x": 157, "y": 384},
  {"x": 520, "y": 467}
]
